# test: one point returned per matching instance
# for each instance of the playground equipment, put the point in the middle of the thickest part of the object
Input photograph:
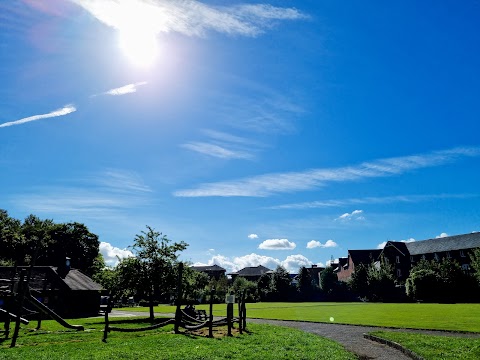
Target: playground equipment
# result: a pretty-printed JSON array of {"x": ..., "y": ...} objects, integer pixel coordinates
[
  {"x": 185, "y": 320},
  {"x": 14, "y": 296}
]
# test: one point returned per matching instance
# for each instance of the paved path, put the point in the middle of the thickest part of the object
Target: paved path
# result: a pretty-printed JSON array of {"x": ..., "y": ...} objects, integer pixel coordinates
[{"x": 351, "y": 337}]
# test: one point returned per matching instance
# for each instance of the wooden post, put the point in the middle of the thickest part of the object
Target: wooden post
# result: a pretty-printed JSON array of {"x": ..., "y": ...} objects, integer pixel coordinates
[
  {"x": 240, "y": 315},
  {"x": 106, "y": 330},
  {"x": 21, "y": 295},
  {"x": 230, "y": 315},
  {"x": 210, "y": 323},
  {"x": 244, "y": 310},
  {"x": 178, "y": 311}
]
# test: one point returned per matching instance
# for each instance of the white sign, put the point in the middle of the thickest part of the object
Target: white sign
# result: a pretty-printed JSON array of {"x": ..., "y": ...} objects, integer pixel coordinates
[{"x": 230, "y": 299}]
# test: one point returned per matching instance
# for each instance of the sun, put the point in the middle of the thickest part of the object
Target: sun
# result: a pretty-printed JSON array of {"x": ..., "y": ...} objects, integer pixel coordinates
[
  {"x": 137, "y": 24},
  {"x": 139, "y": 46}
]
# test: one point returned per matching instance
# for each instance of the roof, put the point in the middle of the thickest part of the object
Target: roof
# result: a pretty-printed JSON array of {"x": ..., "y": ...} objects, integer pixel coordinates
[
  {"x": 449, "y": 243},
  {"x": 364, "y": 256},
  {"x": 76, "y": 280},
  {"x": 208, "y": 268},
  {"x": 252, "y": 271},
  {"x": 47, "y": 277}
]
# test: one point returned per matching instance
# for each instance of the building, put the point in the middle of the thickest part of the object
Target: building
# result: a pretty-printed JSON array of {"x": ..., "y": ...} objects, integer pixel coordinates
[
  {"x": 213, "y": 271},
  {"x": 346, "y": 266},
  {"x": 251, "y": 273},
  {"x": 68, "y": 292},
  {"x": 403, "y": 256}
]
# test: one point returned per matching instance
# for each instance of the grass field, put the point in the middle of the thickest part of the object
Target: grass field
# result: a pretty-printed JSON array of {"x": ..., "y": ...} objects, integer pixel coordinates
[
  {"x": 454, "y": 317},
  {"x": 435, "y": 347},
  {"x": 262, "y": 342}
]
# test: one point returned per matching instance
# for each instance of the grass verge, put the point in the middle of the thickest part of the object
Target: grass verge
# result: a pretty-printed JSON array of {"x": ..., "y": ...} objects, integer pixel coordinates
[
  {"x": 261, "y": 342},
  {"x": 453, "y": 317},
  {"x": 435, "y": 347}
]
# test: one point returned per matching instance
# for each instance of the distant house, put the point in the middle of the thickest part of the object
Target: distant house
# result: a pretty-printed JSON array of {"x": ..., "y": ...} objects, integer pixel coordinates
[
  {"x": 213, "y": 271},
  {"x": 251, "y": 273},
  {"x": 68, "y": 292},
  {"x": 403, "y": 256},
  {"x": 314, "y": 272},
  {"x": 355, "y": 258}
]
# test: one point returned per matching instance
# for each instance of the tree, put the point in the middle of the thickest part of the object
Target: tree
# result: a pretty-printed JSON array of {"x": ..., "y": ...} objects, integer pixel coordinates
[
  {"x": 11, "y": 238},
  {"x": 381, "y": 281},
  {"x": 240, "y": 284},
  {"x": 157, "y": 259},
  {"x": 358, "y": 282},
  {"x": 281, "y": 283},
  {"x": 194, "y": 285},
  {"x": 328, "y": 280},
  {"x": 423, "y": 284},
  {"x": 304, "y": 286},
  {"x": 265, "y": 286},
  {"x": 475, "y": 263}
]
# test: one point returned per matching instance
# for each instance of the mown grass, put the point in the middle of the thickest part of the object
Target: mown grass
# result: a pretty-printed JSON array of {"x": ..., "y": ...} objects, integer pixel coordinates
[
  {"x": 435, "y": 347},
  {"x": 261, "y": 342},
  {"x": 454, "y": 317}
]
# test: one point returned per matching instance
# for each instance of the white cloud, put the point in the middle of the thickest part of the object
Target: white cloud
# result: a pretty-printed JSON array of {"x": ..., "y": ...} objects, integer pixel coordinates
[
  {"x": 67, "y": 109},
  {"x": 292, "y": 262},
  {"x": 277, "y": 244},
  {"x": 328, "y": 244},
  {"x": 442, "y": 235},
  {"x": 123, "y": 90},
  {"x": 354, "y": 215},
  {"x": 275, "y": 183},
  {"x": 112, "y": 254},
  {"x": 382, "y": 244},
  {"x": 372, "y": 200},
  {"x": 253, "y": 236},
  {"x": 216, "y": 150},
  {"x": 188, "y": 17}
]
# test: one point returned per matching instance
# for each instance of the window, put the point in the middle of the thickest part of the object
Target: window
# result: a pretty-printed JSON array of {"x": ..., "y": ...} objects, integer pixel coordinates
[
  {"x": 424, "y": 257},
  {"x": 399, "y": 273},
  {"x": 449, "y": 256},
  {"x": 397, "y": 259},
  {"x": 411, "y": 259},
  {"x": 437, "y": 258},
  {"x": 462, "y": 254},
  {"x": 465, "y": 267}
]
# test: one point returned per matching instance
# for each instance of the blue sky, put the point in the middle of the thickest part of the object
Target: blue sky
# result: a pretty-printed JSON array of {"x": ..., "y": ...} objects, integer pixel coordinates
[{"x": 274, "y": 133}]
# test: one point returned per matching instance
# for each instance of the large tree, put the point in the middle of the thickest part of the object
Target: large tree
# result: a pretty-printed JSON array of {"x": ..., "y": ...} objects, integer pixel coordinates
[{"x": 157, "y": 262}]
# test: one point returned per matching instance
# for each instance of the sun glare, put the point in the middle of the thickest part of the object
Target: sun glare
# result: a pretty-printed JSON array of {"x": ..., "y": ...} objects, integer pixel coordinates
[
  {"x": 137, "y": 32},
  {"x": 140, "y": 47}
]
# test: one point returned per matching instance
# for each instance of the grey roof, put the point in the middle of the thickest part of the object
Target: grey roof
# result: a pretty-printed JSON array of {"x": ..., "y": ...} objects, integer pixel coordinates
[
  {"x": 364, "y": 256},
  {"x": 47, "y": 277},
  {"x": 449, "y": 243},
  {"x": 209, "y": 268},
  {"x": 252, "y": 271},
  {"x": 76, "y": 280}
]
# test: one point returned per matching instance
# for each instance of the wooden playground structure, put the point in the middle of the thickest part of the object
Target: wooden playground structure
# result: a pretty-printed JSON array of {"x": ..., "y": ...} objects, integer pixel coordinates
[{"x": 185, "y": 320}]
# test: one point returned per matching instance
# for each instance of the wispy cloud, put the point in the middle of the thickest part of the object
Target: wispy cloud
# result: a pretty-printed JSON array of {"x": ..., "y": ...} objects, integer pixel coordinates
[
  {"x": 277, "y": 244},
  {"x": 188, "y": 17},
  {"x": 372, "y": 200},
  {"x": 216, "y": 151},
  {"x": 270, "y": 184},
  {"x": 123, "y": 90},
  {"x": 442, "y": 235},
  {"x": 67, "y": 109},
  {"x": 328, "y": 244},
  {"x": 105, "y": 195},
  {"x": 354, "y": 215}
]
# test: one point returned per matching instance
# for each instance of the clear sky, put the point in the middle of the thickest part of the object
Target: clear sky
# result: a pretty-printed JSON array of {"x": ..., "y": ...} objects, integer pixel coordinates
[{"x": 279, "y": 132}]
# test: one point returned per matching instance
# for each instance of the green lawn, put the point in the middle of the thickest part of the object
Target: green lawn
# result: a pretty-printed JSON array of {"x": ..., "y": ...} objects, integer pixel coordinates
[
  {"x": 435, "y": 347},
  {"x": 262, "y": 342},
  {"x": 456, "y": 317}
]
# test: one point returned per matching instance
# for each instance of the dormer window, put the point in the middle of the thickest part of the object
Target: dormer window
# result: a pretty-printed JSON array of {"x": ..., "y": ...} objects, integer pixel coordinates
[
  {"x": 397, "y": 259},
  {"x": 437, "y": 258},
  {"x": 449, "y": 256},
  {"x": 462, "y": 254}
]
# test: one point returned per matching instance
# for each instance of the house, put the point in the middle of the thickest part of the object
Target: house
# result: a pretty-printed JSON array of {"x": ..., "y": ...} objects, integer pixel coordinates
[
  {"x": 403, "y": 256},
  {"x": 213, "y": 271},
  {"x": 66, "y": 291},
  {"x": 314, "y": 273},
  {"x": 355, "y": 258},
  {"x": 250, "y": 273}
]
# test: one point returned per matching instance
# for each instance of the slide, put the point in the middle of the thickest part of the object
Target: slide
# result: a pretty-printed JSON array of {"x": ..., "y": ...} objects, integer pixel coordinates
[
  {"x": 46, "y": 310},
  {"x": 13, "y": 316}
]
